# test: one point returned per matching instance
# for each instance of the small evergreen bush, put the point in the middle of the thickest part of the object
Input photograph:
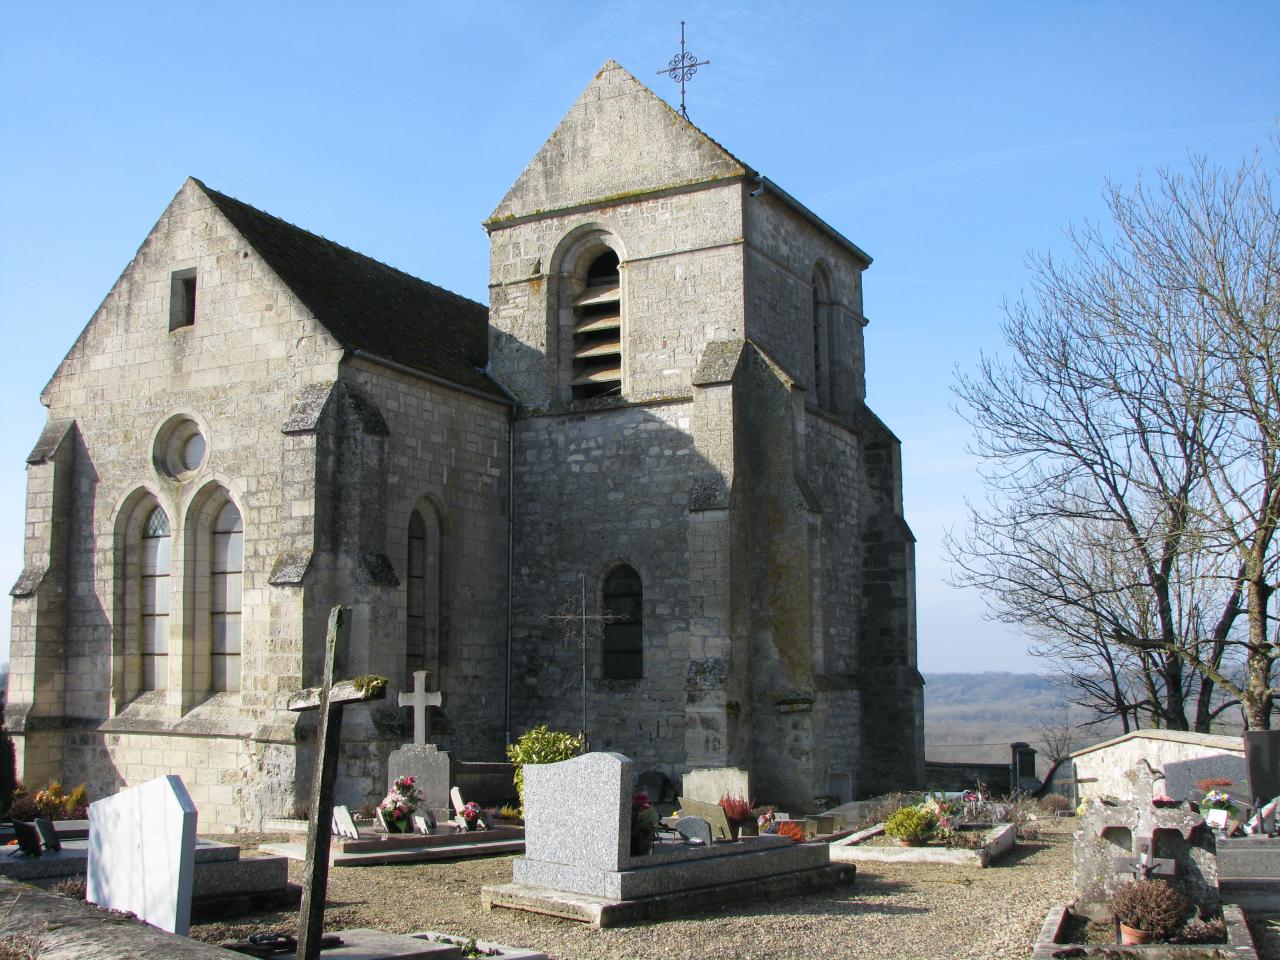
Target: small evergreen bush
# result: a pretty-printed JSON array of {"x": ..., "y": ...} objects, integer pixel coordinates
[
  {"x": 541, "y": 745},
  {"x": 912, "y": 824}
]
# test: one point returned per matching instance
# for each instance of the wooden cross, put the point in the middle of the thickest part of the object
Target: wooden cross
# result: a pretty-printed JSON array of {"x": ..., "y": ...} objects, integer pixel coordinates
[
  {"x": 329, "y": 698},
  {"x": 576, "y": 614},
  {"x": 420, "y": 700}
]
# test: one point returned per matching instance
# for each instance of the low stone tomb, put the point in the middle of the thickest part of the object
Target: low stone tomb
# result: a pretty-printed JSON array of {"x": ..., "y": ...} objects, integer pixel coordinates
[
  {"x": 1053, "y": 942},
  {"x": 142, "y": 845},
  {"x": 1121, "y": 839},
  {"x": 997, "y": 840},
  {"x": 578, "y": 862}
]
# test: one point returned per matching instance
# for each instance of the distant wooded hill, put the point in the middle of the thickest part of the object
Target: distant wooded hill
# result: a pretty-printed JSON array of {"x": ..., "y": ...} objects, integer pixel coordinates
[{"x": 975, "y": 716}]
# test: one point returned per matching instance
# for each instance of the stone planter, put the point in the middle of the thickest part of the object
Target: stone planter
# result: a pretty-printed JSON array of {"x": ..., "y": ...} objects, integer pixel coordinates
[
  {"x": 996, "y": 842},
  {"x": 1239, "y": 945}
]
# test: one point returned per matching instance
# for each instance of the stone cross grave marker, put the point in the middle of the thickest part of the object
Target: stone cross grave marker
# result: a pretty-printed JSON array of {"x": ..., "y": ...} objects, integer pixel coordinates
[
  {"x": 713, "y": 813},
  {"x": 142, "y": 853},
  {"x": 329, "y": 698},
  {"x": 1144, "y": 864},
  {"x": 421, "y": 699}
]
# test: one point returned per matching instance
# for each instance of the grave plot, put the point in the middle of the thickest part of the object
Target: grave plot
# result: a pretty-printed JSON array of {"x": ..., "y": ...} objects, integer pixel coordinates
[
  {"x": 591, "y": 860},
  {"x": 995, "y": 841}
]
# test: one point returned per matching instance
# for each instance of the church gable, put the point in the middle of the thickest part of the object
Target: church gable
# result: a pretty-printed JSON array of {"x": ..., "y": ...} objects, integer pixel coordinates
[{"x": 619, "y": 139}]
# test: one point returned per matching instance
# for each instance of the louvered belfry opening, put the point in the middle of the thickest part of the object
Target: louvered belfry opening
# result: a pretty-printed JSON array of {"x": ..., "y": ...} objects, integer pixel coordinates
[{"x": 597, "y": 332}]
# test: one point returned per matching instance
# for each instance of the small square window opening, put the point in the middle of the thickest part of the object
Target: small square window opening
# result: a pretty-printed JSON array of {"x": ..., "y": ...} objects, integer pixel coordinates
[{"x": 182, "y": 298}]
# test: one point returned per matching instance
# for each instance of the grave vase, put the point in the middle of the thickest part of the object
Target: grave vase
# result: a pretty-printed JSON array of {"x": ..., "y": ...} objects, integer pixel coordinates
[{"x": 641, "y": 843}]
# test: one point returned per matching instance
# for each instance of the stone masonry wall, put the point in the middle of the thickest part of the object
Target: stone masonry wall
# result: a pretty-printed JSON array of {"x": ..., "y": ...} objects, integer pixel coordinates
[
  {"x": 593, "y": 491},
  {"x": 449, "y": 450},
  {"x": 681, "y": 270},
  {"x": 236, "y": 371}
]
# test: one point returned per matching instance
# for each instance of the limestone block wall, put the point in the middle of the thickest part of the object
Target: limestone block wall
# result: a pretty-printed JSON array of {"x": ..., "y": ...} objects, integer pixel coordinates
[
  {"x": 681, "y": 278},
  {"x": 447, "y": 454},
  {"x": 236, "y": 372},
  {"x": 782, "y": 250},
  {"x": 593, "y": 491}
]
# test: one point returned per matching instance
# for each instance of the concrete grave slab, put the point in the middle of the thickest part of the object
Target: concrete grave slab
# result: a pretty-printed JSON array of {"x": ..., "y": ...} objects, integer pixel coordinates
[{"x": 142, "y": 845}]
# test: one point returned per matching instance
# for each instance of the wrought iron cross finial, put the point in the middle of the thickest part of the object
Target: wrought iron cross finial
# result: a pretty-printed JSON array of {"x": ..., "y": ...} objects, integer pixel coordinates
[{"x": 682, "y": 68}]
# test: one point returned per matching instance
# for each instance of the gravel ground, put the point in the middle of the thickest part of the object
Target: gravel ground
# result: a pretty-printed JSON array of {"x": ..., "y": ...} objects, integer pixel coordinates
[{"x": 892, "y": 911}]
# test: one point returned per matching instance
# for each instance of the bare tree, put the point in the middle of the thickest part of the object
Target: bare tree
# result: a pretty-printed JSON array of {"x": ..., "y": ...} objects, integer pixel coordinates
[
  {"x": 1056, "y": 736},
  {"x": 1131, "y": 447}
]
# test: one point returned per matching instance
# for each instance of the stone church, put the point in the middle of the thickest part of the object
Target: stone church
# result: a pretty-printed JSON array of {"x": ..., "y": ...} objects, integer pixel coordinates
[{"x": 662, "y": 410}]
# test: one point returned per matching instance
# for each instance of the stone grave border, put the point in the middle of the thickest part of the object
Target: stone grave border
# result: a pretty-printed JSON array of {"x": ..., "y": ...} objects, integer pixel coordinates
[
  {"x": 504, "y": 952},
  {"x": 1239, "y": 943},
  {"x": 997, "y": 841}
]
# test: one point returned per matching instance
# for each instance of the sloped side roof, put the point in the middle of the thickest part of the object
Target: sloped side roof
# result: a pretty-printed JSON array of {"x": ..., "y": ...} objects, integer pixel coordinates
[{"x": 367, "y": 305}]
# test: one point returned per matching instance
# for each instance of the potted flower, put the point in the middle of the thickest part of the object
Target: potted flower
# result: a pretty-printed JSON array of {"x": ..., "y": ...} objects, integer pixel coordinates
[
  {"x": 471, "y": 814},
  {"x": 911, "y": 826},
  {"x": 398, "y": 806},
  {"x": 644, "y": 825},
  {"x": 737, "y": 810},
  {"x": 1148, "y": 910}
]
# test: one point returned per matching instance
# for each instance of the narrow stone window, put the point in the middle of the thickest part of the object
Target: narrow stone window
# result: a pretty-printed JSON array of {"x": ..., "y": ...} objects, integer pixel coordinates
[
  {"x": 597, "y": 331},
  {"x": 422, "y": 603},
  {"x": 182, "y": 298},
  {"x": 156, "y": 549},
  {"x": 817, "y": 342},
  {"x": 227, "y": 574},
  {"x": 622, "y": 653}
]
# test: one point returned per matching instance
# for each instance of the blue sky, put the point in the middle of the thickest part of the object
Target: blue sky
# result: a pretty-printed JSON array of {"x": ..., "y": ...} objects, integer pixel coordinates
[{"x": 947, "y": 140}]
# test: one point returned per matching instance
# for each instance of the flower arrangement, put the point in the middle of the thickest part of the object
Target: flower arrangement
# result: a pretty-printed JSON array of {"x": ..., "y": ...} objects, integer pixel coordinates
[
  {"x": 736, "y": 809},
  {"x": 792, "y": 829},
  {"x": 471, "y": 814},
  {"x": 767, "y": 822},
  {"x": 644, "y": 824},
  {"x": 1218, "y": 800},
  {"x": 400, "y": 803}
]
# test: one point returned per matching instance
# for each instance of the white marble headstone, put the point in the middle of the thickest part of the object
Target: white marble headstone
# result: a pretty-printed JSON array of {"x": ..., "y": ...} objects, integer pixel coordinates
[
  {"x": 578, "y": 811},
  {"x": 142, "y": 852},
  {"x": 343, "y": 826}
]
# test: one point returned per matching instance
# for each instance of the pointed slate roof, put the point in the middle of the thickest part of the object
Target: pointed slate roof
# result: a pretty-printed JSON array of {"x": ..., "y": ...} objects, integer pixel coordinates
[
  {"x": 619, "y": 138},
  {"x": 367, "y": 305}
]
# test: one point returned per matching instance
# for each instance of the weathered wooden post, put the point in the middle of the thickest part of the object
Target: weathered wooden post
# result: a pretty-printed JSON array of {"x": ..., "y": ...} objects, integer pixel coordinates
[{"x": 329, "y": 698}]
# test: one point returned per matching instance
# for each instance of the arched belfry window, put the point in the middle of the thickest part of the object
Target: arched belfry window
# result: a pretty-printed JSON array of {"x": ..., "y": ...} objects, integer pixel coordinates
[
  {"x": 157, "y": 548},
  {"x": 422, "y": 602},
  {"x": 597, "y": 331},
  {"x": 226, "y": 572},
  {"x": 622, "y": 650}
]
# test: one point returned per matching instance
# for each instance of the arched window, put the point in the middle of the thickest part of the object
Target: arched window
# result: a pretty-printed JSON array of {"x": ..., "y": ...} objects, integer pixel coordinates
[
  {"x": 422, "y": 602},
  {"x": 622, "y": 651},
  {"x": 226, "y": 570},
  {"x": 597, "y": 331},
  {"x": 157, "y": 547}
]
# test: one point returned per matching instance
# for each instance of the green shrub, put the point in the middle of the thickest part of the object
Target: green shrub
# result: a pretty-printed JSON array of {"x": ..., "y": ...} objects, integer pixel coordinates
[
  {"x": 541, "y": 745},
  {"x": 912, "y": 824}
]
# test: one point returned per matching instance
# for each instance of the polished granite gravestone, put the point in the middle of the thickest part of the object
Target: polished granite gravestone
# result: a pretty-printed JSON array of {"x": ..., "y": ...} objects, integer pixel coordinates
[
  {"x": 1262, "y": 761},
  {"x": 142, "y": 845},
  {"x": 578, "y": 862}
]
